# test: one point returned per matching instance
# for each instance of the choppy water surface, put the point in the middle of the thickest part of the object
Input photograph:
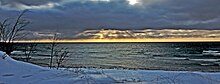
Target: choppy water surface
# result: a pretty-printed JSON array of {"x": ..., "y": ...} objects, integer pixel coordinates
[{"x": 160, "y": 56}]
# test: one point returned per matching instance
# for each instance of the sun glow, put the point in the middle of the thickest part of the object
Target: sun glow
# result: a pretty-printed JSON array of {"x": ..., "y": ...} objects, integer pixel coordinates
[
  {"x": 133, "y": 2},
  {"x": 124, "y": 40},
  {"x": 146, "y": 35}
]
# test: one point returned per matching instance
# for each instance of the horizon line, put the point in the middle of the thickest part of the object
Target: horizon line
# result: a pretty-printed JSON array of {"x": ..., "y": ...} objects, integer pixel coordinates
[{"x": 122, "y": 40}]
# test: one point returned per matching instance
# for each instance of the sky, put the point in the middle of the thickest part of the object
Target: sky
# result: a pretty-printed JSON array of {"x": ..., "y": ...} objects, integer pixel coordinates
[{"x": 71, "y": 18}]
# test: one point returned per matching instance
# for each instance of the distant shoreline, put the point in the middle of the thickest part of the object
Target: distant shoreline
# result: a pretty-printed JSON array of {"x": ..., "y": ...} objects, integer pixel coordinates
[{"x": 170, "y": 40}]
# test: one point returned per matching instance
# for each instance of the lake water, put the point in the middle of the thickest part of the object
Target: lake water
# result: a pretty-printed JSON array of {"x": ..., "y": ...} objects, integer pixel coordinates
[{"x": 193, "y": 56}]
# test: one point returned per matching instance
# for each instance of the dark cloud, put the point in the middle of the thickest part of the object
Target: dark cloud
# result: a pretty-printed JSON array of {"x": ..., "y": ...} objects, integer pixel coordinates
[
  {"x": 70, "y": 17},
  {"x": 27, "y": 2},
  {"x": 193, "y": 10}
]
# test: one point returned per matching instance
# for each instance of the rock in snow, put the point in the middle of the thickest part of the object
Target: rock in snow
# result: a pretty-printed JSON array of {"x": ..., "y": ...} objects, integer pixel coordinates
[{"x": 17, "y": 72}]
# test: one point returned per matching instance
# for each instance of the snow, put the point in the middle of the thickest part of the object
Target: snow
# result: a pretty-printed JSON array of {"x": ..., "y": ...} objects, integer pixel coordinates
[{"x": 17, "y": 72}]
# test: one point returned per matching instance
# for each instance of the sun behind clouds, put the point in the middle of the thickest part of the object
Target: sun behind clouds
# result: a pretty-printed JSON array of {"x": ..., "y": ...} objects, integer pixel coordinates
[
  {"x": 146, "y": 35},
  {"x": 133, "y": 2}
]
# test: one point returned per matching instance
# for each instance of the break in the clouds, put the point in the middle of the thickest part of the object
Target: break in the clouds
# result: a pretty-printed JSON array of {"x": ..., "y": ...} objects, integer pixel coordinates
[
  {"x": 69, "y": 17},
  {"x": 148, "y": 34}
]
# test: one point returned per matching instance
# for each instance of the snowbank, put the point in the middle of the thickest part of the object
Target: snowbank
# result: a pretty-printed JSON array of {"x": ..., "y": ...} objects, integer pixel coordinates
[{"x": 16, "y": 72}]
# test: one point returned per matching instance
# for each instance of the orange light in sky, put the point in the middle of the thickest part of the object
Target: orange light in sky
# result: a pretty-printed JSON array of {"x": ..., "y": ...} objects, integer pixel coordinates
[{"x": 131, "y": 40}]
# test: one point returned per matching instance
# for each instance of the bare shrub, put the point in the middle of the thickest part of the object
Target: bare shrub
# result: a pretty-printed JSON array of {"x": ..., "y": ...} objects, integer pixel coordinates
[{"x": 11, "y": 30}]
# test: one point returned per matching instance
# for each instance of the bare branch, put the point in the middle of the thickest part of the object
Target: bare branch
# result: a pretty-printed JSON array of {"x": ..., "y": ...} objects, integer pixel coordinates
[
  {"x": 3, "y": 26},
  {"x": 17, "y": 23}
]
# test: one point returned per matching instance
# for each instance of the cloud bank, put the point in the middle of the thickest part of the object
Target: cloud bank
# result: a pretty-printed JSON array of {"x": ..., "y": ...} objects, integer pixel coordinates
[
  {"x": 49, "y": 4},
  {"x": 147, "y": 34}
]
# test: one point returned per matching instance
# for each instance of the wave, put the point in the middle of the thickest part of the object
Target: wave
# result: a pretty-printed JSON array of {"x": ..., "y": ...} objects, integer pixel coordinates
[
  {"x": 209, "y": 60},
  {"x": 211, "y": 53}
]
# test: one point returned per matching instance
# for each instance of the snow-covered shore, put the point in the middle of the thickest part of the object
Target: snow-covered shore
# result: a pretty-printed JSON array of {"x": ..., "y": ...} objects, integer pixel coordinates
[{"x": 16, "y": 72}]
